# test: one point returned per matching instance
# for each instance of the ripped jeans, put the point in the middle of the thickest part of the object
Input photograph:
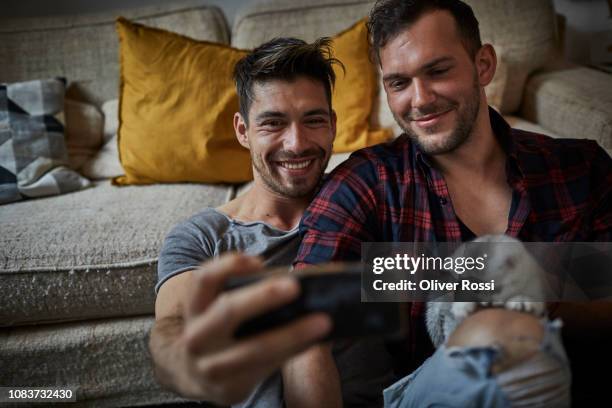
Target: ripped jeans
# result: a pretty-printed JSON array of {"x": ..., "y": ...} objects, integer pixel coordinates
[{"x": 462, "y": 377}]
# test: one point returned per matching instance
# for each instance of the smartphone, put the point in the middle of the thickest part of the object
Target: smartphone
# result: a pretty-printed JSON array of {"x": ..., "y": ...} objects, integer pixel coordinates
[{"x": 335, "y": 289}]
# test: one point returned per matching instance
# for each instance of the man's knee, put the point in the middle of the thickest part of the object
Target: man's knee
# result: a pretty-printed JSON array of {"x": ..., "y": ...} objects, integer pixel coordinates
[{"x": 518, "y": 335}]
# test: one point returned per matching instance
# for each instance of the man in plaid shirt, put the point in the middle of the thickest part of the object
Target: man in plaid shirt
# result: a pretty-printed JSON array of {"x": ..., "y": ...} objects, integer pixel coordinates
[{"x": 458, "y": 171}]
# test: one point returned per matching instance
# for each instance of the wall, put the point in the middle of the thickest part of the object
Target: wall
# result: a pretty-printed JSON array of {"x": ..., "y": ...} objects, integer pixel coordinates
[{"x": 588, "y": 22}]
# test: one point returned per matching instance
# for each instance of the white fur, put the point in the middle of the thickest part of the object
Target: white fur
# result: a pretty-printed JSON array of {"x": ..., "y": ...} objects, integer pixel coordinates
[{"x": 517, "y": 275}]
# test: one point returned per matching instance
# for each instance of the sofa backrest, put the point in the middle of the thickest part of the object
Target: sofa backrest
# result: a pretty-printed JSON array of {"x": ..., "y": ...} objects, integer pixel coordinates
[
  {"x": 263, "y": 20},
  {"x": 260, "y": 20},
  {"x": 522, "y": 32},
  {"x": 84, "y": 48}
]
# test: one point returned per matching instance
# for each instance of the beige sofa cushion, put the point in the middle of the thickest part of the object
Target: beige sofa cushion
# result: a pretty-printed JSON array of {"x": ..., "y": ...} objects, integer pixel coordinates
[
  {"x": 523, "y": 32},
  {"x": 104, "y": 164},
  {"x": 84, "y": 48},
  {"x": 106, "y": 361},
  {"x": 84, "y": 131},
  {"x": 572, "y": 102},
  {"x": 92, "y": 253},
  {"x": 520, "y": 123},
  {"x": 261, "y": 21}
]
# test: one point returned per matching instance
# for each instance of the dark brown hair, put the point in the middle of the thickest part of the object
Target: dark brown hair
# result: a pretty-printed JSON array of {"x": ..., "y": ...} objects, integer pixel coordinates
[
  {"x": 286, "y": 59},
  {"x": 389, "y": 17}
]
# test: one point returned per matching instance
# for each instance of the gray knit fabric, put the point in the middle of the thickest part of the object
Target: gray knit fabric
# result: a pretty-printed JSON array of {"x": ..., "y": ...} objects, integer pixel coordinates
[
  {"x": 572, "y": 102},
  {"x": 84, "y": 49},
  {"x": 107, "y": 361},
  {"x": 91, "y": 253}
]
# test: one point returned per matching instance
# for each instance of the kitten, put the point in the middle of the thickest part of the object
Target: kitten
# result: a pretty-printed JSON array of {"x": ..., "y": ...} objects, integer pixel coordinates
[{"x": 518, "y": 282}]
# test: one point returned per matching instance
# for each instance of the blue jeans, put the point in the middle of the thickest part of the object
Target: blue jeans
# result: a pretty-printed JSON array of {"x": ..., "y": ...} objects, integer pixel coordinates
[{"x": 461, "y": 377}]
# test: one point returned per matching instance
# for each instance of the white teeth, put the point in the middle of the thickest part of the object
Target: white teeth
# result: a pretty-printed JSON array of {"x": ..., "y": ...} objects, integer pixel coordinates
[{"x": 295, "y": 166}]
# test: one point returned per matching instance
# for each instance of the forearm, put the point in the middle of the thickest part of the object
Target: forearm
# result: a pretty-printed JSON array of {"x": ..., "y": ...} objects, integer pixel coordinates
[
  {"x": 166, "y": 355},
  {"x": 311, "y": 379},
  {"x": 194, "y": 349}
]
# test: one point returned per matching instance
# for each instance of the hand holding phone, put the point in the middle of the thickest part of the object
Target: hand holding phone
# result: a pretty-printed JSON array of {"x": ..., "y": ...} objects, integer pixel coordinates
[{"x": 334, "y": 289}]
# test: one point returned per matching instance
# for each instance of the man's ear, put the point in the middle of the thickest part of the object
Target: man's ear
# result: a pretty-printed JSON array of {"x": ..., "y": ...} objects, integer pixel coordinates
[
  {"x": 240, "y": 128},
  {"x": 486, "y": 64}
]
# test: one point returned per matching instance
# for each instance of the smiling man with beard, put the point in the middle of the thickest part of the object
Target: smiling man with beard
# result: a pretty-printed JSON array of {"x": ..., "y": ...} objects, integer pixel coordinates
[
  {"x": 287, "y": 123},
  {"x": 458, "y": 172}
]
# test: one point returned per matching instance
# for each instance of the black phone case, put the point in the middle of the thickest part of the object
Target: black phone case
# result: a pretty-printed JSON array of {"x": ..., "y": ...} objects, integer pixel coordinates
[{"x": 337, "y": 294}]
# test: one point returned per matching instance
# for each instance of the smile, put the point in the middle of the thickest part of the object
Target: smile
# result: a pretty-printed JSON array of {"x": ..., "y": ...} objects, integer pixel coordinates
[
  {"x": 430, "y": 120},
  {"x": 295, "y": 165}
]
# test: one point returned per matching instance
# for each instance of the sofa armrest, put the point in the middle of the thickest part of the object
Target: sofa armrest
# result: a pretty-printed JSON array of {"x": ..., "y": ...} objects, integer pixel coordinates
[{"x": 573, "y": 102}]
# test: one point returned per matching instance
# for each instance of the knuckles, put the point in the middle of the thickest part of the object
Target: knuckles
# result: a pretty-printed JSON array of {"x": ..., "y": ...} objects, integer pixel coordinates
[{"x": 225, "y": 309}]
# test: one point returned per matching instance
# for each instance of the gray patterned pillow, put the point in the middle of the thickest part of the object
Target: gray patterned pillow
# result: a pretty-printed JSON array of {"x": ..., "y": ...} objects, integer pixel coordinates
[{"x": 33, "y": 154}]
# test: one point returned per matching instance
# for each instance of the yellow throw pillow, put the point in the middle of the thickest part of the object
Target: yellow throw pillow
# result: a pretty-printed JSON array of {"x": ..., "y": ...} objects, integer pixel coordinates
[
  {"x": 176, "y": 107},
  {"x": 177, "y": 101},
  {"x": 354, "y": 91}
]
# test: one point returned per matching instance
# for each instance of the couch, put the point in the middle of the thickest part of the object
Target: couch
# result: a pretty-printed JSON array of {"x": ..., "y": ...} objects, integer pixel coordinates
[{"x": 77, "y": 271}]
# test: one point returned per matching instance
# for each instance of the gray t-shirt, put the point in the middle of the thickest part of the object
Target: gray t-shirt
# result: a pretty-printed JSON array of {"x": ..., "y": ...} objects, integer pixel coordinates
[
  {"x": 364, "y": 365},
  {"x": 210, "y": 233}
]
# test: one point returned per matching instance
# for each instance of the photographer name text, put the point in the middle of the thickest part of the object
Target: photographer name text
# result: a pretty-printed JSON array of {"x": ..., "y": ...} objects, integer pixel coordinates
[{"x": 433, "y": 285}]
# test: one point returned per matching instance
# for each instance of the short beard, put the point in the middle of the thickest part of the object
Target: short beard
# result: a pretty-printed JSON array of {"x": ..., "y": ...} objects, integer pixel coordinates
[
  {"x": 465, "y": 123},
  {"x": 298, "y": 190}
]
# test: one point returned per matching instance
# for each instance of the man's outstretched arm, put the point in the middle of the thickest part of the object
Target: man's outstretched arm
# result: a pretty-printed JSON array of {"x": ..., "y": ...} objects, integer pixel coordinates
[{"x": 192, "y": 342}]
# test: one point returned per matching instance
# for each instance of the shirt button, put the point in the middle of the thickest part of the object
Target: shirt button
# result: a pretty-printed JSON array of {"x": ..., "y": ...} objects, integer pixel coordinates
[{"x": 443, "y": 200}]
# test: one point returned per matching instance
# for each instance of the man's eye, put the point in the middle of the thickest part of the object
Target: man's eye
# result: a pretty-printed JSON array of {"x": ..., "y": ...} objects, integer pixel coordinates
[
  {"x": 439, "y": 71},
  {"x": 316, "y": 121},
  {"x": 397, "y": 85},
  {"x": 272, "y": 123}
]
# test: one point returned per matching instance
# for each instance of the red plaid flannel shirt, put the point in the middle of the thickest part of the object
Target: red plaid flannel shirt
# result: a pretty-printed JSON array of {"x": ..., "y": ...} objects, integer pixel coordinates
[{"x": 562, "y": 191}]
